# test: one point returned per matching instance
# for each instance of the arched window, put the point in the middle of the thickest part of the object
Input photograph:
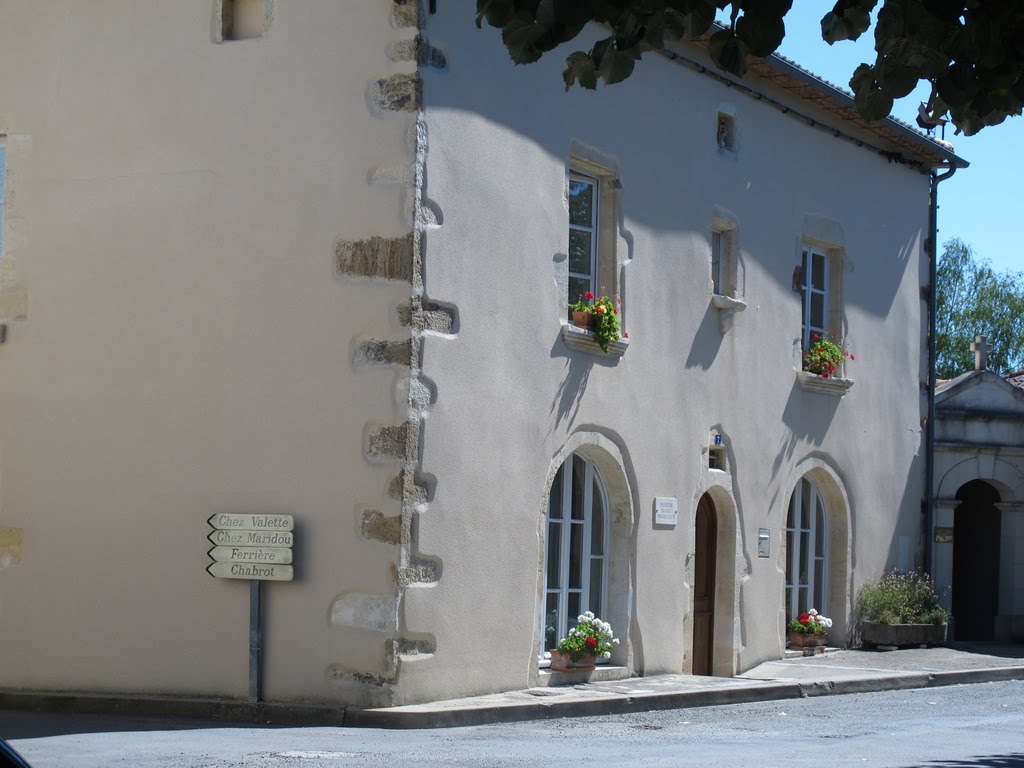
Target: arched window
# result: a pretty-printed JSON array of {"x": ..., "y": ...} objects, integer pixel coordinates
[
  {"x": 576, "y": 556},
  {"x": 806, "y": 551}
]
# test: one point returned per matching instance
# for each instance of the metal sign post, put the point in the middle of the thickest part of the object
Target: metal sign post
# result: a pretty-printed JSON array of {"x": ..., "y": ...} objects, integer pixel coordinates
[
  {"x": 257, "y": 548},
  {"x": 255, "y": 642}
]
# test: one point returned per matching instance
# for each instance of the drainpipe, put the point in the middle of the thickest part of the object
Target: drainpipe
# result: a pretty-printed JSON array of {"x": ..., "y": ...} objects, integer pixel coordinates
[{"x": 929, "y": 455}]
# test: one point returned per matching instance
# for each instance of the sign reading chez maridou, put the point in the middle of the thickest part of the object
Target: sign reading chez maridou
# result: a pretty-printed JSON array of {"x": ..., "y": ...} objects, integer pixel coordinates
[{"x": 252, "y": 546}]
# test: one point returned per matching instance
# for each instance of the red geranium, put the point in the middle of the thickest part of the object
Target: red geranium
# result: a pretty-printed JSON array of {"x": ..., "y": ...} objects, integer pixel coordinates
[
  {"x": 589, "y": 296},
  {"x": 591, "y": 643}
]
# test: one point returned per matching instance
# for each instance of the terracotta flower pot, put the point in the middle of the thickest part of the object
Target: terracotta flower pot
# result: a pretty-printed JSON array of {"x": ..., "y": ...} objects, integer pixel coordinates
[
  {"x": 562, "y": 662},
  {"x": 806, "y": 640},
  {"x": 585, "y": 320}
]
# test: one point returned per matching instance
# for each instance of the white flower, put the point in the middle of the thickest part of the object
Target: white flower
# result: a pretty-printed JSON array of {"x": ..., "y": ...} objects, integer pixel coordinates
[
  {"x": 589, "y": 616},
  {"x": 581, "y": 618},
  {"x": 615, "y": 641},
  {"x": 812, "y": 612},
  {"x": 606, "y": 655}
]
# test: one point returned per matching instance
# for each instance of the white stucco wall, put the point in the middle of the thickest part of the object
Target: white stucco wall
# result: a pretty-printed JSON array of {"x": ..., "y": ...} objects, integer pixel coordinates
[
  {"x": 187, "y": 347},
  {"x": 511, "y": 395},
  {"x": 180, "y": 343}
]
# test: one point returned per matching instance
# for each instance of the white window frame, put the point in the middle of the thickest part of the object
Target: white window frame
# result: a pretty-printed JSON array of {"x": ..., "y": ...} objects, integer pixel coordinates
[
  {"x": 718, "y": 238},
  {"x": 591, "y": 478},
  {"x": 594, "y": 229},
  {"x": 813, "y": 525},
  {"x": 807, "y": 290}
]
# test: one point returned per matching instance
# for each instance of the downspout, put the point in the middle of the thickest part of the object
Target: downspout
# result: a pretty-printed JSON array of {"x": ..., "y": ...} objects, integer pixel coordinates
[{"x": 929, "y": 455}]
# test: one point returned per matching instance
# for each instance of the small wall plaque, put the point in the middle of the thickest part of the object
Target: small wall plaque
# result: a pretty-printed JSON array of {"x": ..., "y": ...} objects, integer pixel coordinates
[
  {"x": 666, "y": 511},
  {"x": 764, "y": 542},
  {"x": 943, "y": 535}
]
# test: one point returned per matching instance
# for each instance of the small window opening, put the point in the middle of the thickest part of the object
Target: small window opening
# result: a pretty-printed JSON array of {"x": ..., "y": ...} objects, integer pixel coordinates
[
  {"x": 716, "y": 451},
  {"x": 726, "y": 135},
  {"x": 716, "y": 262},
  {"x": 243, "y": 19}
]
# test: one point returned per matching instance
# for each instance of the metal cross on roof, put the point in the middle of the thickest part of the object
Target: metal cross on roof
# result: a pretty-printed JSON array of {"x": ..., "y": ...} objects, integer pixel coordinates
[{"x": 980, "y": 347}]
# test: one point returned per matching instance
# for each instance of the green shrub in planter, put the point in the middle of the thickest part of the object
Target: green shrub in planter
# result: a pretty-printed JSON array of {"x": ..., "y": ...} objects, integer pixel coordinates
[{"x": 901, "y": 598}]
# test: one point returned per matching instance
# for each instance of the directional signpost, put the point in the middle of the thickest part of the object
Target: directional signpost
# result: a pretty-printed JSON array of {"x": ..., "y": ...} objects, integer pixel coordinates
[{"x": 256, "y": 548}]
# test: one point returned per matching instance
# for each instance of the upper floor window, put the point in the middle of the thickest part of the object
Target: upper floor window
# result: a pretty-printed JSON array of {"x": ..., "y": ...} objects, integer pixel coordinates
[
  {"x": 716, "y": 261},
  {"x": 584, "y": 235},
  {"x": 814, "y": 282}
]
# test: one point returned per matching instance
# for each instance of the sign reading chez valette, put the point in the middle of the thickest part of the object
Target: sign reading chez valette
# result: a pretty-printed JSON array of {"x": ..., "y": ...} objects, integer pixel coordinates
[{"x": 252, "y": 547}]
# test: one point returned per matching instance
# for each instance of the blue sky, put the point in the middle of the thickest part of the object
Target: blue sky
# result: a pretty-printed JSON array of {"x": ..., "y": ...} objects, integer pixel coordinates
[{"x": 978, "y": 204}]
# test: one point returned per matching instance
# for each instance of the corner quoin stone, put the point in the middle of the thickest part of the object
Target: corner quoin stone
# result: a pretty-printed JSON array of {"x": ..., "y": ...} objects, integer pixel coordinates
[
  {"x": 388, "y": 441},
  {"x": 398, "y": 93},
  {"x": 405, "y": 13},
  {"x": 376, "y": 352},
  {"x": 388, "y": 258},
  {"x": 380, "y": 527}
]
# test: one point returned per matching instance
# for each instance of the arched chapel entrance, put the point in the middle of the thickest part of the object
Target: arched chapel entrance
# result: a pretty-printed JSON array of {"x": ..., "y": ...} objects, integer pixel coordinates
[{"x": 976, "y": 543}]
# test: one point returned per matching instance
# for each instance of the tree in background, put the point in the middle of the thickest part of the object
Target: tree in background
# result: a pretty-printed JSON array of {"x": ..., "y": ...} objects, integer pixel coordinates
[
  {"x": 970, "y": 52},
  {"x": 971, "y": 298}
]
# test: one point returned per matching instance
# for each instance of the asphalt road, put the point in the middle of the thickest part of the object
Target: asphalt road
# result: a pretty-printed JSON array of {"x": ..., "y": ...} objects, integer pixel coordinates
[{"x": 968, "y": 726}]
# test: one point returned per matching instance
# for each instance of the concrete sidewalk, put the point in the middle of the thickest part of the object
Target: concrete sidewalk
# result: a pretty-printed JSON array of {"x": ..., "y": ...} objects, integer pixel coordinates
[{"x": 836, "y": 672}]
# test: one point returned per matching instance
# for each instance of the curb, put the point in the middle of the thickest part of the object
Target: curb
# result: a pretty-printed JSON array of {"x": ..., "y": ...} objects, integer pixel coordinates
[
  {"x": 219, "y": 710},
  {"x": 427, "y": 717},
  {"x": 396, "y": 718},
  {"x": 547, "y": 710}
]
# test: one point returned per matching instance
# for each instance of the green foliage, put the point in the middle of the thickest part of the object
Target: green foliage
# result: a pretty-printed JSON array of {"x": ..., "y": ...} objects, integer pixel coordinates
[
  {"x": 810, "y": 622},
  {"x": 971, "y": 298},
  {"x": 825, "y": 356},
  {"x": 970, "y": 52},
  {"x": 901, "y": 598},
  {"x": 589, "y": 636},
  {"x": 606, "y": 318}
]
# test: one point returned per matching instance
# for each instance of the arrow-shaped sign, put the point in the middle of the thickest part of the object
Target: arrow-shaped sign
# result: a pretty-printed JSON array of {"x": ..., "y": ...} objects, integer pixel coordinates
[
  {"x": 279, "y": 555},
  {"x": 252, "y": 571},
  {"x": 250, "y": 522}
]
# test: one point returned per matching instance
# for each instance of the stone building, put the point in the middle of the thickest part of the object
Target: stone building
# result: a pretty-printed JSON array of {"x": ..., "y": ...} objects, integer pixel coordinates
[
  {"x": 314, "y": 259},
  {"x": 977, "y": 531}
]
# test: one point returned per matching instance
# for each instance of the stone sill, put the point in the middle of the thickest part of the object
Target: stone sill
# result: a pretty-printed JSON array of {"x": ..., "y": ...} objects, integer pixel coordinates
[
  {"x": 603, "y": 673},
  {"x": 727, "y": 308},
  {"x": 812, "y": 382},
  {"x": 582, "y": 339}
]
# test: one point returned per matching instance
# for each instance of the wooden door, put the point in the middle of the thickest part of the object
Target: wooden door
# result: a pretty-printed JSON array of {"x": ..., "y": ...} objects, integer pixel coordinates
[{"x": 706, "y": 541}]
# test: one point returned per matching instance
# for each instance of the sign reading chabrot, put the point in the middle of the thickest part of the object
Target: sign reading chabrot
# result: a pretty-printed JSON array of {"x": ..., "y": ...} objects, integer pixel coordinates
[{"x": 251, "y": 546}]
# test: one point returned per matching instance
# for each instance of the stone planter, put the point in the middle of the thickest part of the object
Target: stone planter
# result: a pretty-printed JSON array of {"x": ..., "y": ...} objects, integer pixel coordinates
[
  {"x": 895, "y": 635},
  {"x": 563, "y": 663}
]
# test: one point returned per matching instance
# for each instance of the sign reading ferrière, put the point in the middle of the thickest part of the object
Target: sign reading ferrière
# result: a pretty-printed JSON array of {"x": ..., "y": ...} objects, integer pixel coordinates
[{"x": 251, "y": 546}]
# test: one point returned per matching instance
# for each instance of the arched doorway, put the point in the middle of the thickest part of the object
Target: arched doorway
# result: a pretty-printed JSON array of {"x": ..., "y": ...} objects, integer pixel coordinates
[
  {"x": 807, "y": 551},
  {"x": 976, "y": 532},
  {"x": 705, "y": 565},
  {"x": 576, "y": 548}
]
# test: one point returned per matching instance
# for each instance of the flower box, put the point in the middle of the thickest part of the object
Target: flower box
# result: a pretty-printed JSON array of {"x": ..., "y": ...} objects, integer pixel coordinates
[
  {"x": 562, "y": 662},
  {"x": 875, "y": 634},
  {"x": 806, "y": 640}
]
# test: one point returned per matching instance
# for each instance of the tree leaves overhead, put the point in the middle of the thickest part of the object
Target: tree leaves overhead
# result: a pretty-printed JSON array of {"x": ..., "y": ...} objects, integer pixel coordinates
[
  {"x": 970, "y": 299},
  {"x": 971, "y": 52}
]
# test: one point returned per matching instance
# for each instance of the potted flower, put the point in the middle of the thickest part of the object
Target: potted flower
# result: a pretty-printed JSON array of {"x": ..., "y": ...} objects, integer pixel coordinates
[
  {"x": 601, "y": 316},
  {"x": 588, "y": 640},
  {"x": 824, "y": 356},
  {"x": 808, "y": 630},
  {"x": 901, "y": 608}
]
